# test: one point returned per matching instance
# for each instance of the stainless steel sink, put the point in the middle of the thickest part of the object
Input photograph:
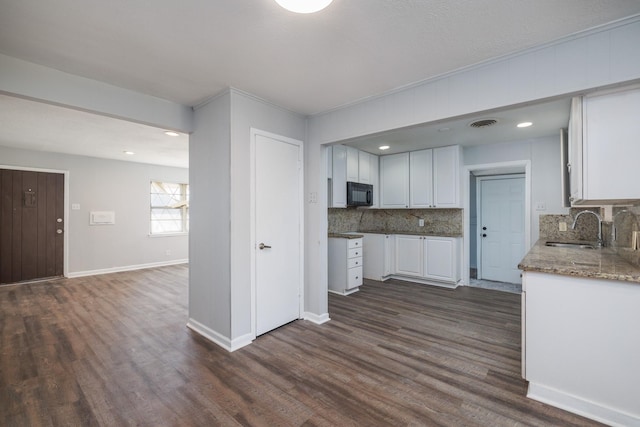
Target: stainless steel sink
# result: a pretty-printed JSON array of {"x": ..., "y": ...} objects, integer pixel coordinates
[{"x": 571, "y": 245}]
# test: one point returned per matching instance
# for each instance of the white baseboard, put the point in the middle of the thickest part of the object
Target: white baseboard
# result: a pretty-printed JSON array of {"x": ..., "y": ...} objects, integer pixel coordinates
[
  {"x": 580, "y": 406},
  {"x": 441, "y": 284},
  {"x": 125, "y": 268},
  {"x": 318, "y": 319},
  {"x": 216, "y": 338}
]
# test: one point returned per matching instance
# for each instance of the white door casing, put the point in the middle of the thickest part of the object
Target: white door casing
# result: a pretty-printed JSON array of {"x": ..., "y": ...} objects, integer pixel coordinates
[
  {"x": 277, "y": 205},
  {"x": 501, "y": 226}
]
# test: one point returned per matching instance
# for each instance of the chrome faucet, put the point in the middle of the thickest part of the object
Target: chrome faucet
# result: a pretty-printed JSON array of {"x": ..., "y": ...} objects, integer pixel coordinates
[{"x": 573, "y": 226}]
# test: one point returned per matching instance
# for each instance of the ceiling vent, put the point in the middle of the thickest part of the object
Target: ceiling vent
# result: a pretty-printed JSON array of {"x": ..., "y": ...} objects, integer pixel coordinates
[{"x": 483, "y": 123}]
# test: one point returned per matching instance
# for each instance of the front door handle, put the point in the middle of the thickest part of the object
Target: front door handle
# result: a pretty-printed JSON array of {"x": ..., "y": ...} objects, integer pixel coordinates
[{"x": 262, "y": 246}]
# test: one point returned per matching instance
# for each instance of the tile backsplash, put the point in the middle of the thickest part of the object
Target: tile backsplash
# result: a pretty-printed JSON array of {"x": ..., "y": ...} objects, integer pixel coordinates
[
  {"x": 437, "y": 222},
  {"x": 625, "y": 220}
]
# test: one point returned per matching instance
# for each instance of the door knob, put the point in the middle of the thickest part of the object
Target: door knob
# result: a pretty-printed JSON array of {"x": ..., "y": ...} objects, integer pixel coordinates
[
  {"x": 484, "y": 228},
  {"x": 262, "y": 246},
  {"x": 59, "y": 231},
  {"x": 484, "y": 235}
]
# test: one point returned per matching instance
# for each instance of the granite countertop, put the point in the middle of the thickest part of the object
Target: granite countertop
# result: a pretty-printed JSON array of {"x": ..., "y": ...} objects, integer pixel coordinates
[
  {"x": 345, "y": 236},
  {"x": 412, "y": 233},
  {"x": 602, "y": 263}
]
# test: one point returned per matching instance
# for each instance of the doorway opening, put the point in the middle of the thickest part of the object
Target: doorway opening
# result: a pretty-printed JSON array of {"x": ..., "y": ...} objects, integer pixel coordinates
[{"x": 497, "y": 224}]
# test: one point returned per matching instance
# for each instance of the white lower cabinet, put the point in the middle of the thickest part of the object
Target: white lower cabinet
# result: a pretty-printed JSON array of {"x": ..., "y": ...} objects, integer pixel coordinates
[
  {"x": 409, "y": 255},
  {"x": 425, "y": 259},
  {"x": 345, "y": 265},
  {"x": 441, "y": 258},
  {"x": 378, "y": 255}
]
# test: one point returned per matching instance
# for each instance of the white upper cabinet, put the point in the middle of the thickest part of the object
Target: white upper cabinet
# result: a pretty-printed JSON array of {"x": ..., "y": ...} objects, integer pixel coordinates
[
  {"x": 374, "y": 179},
  {"x": 446, "y": 177},
  {"x": 364, "y": 167},
  {"x": 353, "y": 158},
  {"x": 339, "y": 177},
  {"x": 604, "y": 148},
  {"x": 394, "y": 181},
  {"x": 575, "y": 150},
  {"x": 350, "y": 164},
  {"x": 421, "y": 179}
]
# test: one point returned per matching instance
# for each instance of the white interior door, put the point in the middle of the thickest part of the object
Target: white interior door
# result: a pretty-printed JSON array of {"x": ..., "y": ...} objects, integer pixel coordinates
[
  {"x": 278, "y": 221},
  {"x": 502, "y": 228}
]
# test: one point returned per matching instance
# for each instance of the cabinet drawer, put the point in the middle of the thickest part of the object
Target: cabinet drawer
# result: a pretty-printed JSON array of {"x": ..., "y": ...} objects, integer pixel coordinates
[
  {"x": 354, "y": 253},
  {"x": 355, "y": 277},
  {"x": 354, "y": 243},
  {"x": 354, "y": 262}
]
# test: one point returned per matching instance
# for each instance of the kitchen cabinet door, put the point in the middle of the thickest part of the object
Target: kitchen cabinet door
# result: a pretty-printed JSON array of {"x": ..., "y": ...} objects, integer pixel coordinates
[
  {"x": 446, "y": 177},
  {"x": 575, "y": 150},
  {"x": 394, "y": 181},
  {"x": 409, "y": 256},
  {"x": 339, "y": 177},
  {"x": 375, "y": 179},
  {"x": 610, "y": 146},
  {"x": 388, "y": 265},
  {"x": 364, "y": 167},
  {"x": 352, "y": 164},
  {"x": 377, "y": 252},
  {"x": 441, "y": 258},
  {"x": 421, "y": 179}
]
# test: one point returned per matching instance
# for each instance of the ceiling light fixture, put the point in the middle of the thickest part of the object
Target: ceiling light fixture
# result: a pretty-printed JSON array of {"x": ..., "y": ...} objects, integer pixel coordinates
[
  {"x": 304, "y": 6},
  {"x": 129, "y": 153},
  {"x": 171, "y": 133},
  {"x": 383, "y": 147},
  {"x": 524, "y": 124}
]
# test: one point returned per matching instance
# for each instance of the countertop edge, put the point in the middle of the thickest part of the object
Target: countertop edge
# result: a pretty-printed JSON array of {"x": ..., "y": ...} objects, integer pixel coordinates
[{"x": 602, "y": 263}]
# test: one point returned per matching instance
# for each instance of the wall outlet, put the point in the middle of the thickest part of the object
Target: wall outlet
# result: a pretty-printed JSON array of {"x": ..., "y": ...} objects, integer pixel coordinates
[
  {"x": 420, "y": 222},
  {"x": 562, "y": 226}
]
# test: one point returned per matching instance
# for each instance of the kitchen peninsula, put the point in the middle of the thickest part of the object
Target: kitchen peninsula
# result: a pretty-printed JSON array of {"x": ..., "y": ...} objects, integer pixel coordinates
[{"x": 580, "y": 338}]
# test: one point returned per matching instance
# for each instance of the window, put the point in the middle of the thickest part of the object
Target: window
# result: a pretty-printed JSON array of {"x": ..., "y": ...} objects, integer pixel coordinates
[{"x": 169, "y": 208}]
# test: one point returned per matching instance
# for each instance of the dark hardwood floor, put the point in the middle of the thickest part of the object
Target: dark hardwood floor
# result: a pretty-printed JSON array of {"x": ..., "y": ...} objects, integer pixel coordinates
[{"x": 113, "y": 350}]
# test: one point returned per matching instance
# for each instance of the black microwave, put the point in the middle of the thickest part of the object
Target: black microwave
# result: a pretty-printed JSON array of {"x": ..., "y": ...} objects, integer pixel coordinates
[{"x": 359, "y": 194}]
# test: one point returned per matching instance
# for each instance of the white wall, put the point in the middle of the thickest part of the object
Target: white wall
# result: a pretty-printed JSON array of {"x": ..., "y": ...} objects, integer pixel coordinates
[
  {"x": 220, "y": 280},
  {"x": 209, "y": 245},
  {"x": 108, "y": 185},
  {"x": 249, "y": 112}
]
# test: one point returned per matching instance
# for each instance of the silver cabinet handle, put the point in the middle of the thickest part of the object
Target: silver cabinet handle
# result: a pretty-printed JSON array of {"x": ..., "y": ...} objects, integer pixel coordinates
[{"x": 262, "y": 246}]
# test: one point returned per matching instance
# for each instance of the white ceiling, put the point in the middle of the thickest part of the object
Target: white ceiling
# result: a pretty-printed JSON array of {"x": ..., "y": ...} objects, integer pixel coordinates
[
  {"x": 188, "y": 51},
  {"x": 42, "y": 127}
]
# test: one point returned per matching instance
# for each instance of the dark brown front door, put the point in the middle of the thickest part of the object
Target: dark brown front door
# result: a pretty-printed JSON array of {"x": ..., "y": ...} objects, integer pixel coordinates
[{"x": 31, "y": 225}]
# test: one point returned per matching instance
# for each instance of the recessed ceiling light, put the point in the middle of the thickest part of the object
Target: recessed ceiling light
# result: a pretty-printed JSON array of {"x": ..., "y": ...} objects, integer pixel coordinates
[
  {"x": 171, "y": 133},
  {"x": 383, "y": 147},
  {"x": 304, "y": 6},
  {"x": 129, "y": 153},
  {"x": 524, "y": 124}
]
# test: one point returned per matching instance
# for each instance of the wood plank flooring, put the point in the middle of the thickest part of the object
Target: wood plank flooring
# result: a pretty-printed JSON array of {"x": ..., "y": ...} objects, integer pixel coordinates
[{"x": 113, "y": 350}]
